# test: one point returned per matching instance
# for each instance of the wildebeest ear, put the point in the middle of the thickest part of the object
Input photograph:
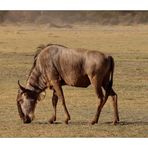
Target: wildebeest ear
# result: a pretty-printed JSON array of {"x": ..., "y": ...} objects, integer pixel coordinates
[{"x": 21, "y": 87}]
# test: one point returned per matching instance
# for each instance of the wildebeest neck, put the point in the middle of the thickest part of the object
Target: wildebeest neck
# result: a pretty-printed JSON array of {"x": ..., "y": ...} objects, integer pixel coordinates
[{"x": 36, "y": 81}]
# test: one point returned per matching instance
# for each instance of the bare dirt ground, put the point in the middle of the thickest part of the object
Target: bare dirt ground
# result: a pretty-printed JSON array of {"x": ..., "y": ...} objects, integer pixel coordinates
[{"x": 129, "y": 47}]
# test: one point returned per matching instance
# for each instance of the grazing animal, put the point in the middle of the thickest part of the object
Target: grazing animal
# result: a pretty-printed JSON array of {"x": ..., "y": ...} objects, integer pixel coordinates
[{"x": 56, "y": 65}]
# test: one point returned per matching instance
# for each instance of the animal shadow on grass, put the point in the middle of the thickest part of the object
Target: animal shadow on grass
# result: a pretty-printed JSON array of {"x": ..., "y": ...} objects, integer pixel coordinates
[
  {"x": 46, "y": 122},
  {"x": 134, "y": 123},
  {"x": 122, "y": 123},
  {"x": 58, "y": 122},
  {"x": 79, "y": 123}
]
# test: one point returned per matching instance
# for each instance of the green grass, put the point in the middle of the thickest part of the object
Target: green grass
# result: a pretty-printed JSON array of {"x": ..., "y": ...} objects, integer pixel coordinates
[{"x": 127, "y": 44}]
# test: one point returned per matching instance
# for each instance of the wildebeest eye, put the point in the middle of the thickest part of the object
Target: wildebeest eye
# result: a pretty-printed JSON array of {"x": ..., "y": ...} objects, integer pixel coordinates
[{"x": 21, "y": 101}]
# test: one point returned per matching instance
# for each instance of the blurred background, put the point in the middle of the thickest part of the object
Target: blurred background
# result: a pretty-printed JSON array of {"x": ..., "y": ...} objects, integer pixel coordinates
[{"x": 75, "y": 17}]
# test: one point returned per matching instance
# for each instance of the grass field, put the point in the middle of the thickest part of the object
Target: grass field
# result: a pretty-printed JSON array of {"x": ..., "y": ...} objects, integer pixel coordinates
[{"x": 129, "y": 47}]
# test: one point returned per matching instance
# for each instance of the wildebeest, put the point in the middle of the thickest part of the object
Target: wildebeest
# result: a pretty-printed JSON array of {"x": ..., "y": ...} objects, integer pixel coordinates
[{"x": 56, "y": 65}]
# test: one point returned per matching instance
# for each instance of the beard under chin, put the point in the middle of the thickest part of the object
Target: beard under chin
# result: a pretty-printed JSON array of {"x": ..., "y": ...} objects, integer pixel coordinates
[{"x": 21, "y": 114}]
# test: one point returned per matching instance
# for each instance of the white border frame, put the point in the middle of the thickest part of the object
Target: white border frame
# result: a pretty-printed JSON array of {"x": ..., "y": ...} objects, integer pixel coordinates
[{"x": 73, "y": 5}]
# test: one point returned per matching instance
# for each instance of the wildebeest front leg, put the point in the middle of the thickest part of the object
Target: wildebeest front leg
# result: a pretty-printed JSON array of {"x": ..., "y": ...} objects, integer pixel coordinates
[
  {"x": 59, "y": 92},
  {"x": 54, "y": 103}
]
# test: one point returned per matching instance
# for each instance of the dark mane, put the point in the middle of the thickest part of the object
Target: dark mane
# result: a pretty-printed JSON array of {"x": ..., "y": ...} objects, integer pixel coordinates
[
  {"x": 39, "y": 49},
  {"x": 42, "y": 46},
  {"x": 55, "y": 44}
]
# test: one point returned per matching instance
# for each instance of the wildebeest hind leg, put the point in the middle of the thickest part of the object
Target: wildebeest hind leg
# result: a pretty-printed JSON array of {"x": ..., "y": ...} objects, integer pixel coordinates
[
  {"x": 115, "y": 106},
  {"x": 97, "y": 85},
  {"x": 54, "y": 103},
  {"x": 59, "y": 92}
]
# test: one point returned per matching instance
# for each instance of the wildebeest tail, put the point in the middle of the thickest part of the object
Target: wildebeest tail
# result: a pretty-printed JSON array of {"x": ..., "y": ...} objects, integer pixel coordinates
[{"x": 111, "y": 73}]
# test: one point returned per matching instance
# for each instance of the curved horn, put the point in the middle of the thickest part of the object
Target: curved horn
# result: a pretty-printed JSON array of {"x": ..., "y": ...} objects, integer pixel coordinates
[{"x": 21, "y": 87}]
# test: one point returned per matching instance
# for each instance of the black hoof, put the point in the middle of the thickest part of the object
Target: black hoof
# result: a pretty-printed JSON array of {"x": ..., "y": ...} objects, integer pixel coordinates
[
  {"x": 93, "y": 122},
  {"x": 66, "y": 121},
  {"x": 51, "y": 121}
]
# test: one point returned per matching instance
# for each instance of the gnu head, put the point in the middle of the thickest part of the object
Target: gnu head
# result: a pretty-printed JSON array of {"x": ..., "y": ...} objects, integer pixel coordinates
[{"x": 26, "y": 102}]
